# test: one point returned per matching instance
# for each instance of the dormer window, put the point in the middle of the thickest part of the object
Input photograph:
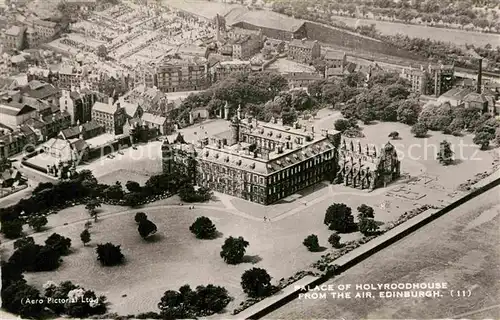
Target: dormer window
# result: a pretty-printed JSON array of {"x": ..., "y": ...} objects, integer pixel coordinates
[
  {"x": 206, "y": 153},
  {"x": 226, "y": 159},
  {"x": 238, "y": 162},
  {"x": 216, "y": 156},
  {"x": 252, "y": 166},
  {"x": 278, "y": 163},
  {"x": 288, "y": 137},
  {"x": 279, "y": 135}
]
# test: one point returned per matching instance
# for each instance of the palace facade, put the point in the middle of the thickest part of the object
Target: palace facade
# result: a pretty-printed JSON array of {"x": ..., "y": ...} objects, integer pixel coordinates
[{"x": 265, "y": 162}]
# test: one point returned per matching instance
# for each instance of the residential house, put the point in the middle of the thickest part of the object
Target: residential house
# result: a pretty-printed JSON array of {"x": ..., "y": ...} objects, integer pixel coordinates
[
  {"x": 10, "y": 177},
  {"x": 304, "y": 51},
  {"x": 221, "y": 70},
  {"x": 174, "y": 74},
  {"x": 78, "y": 103},
  {"x": 14, "y": 38},
  {"x": 15, "y": 112},
  {"x": 246, "y": 47},
  {"x": 56, "y": 122},
  {"x": 301, "y": 79},
  {"x": 84, "y": 131},
  {"x": 66, "y": 150},
  {"x": 12, "y": 143},
  {"x": 274, "y": 46},
  {"x": 40, "y": 31},
  {"x": 109, "y": 115},
  {"x": 42, "y": 91},
  {"x": 335, "y": 59},
  {"x": 161, "y": 124}
]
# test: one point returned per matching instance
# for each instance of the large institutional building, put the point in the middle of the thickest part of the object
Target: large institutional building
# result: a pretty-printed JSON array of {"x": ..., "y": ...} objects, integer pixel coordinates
[{"x": 265, "y": 162}]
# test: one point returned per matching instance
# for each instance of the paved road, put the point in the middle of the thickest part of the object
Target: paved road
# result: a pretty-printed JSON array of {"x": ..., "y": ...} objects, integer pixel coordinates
[{"x": 461, "y": 249}]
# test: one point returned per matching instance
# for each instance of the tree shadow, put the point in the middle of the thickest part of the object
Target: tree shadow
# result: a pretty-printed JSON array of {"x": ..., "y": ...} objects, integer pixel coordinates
[
  {"x": 319, "y": 249},
  {"x": 157, "y": 237},
  {"x": 251, "y": 259},
  {"x": 456, "y": 162},
  {"x": 217, "y": 235}
]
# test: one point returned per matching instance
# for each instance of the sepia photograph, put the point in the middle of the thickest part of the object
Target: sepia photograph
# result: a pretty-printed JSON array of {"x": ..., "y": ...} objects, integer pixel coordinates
[{"x": 250, "y": 159}]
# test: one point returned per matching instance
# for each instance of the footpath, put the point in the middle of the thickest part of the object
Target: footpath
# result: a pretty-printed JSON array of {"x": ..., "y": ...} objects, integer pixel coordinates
[{"x": 289, "y": 293}]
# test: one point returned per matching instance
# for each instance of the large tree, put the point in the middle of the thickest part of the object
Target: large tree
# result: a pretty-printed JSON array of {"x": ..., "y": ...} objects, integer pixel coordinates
[
  {"x": 233, "y": 250},
  {"x": 37, "y": 222},
  {"x": 365, "y": 212},
  {"x": 109, "y": 254},
  {"x": 339, "y": 217},
  {"x": 445, "y": 154},
  {"x": 146, "y": 228},
  {"x": 368, "y": 226},
  {"x": 203, "y": 228},
  {"x": 12, "y": 229},
  {"x": 60, "y": 243},
  {"x": 419, "y": 130},
  {"x": 482, "y": 139},
  {"x": 311, "y": 242},
  {"x": 256, "y": 282},
  {"x": 408, "y": 111}
]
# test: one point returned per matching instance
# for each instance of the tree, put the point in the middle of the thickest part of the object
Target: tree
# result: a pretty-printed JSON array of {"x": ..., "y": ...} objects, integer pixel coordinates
[
  {"x": 342, "y": 125},
  {"x": 139, "y": 216},
  {"x": 37, "y": 222},
  {"x": 394, "y": 135},
  {"x": 146, "y": 228},
  {"x": 12, "y": 229},
  {"x": 133, "y": 199},
  {"x": 482, "y": 139},
  {"x": 14, "y": 297},
  {"x": 109, "y": 254},
  {"x": 24, "y": 241},
  {"x": 256, "y": 282},
  {"x": 366, "y": 114},
  {"x": 334, "y": 240},
  {"x": 408, "y": 111},
  {"x": 133, "y": 186},
  {"x": 419, "y": 130},
  {"x": 102, "y": 52},
  {"x": 445, "y": 154},
  {"x": 497, "y": 136},
  {"x": 367, "y": 226},
  {"x": 114, "y": 192},
  {"x": 365, "y": 212},
  {"x": 203, "y": 228},
  {"x": 59, "y": 243},
  {"x": 47, "y": 259},
  {"x": 339, "y": 217},
  {"x": 311, "y": 242},
  {"x": 233, "y": 250},
  {"x": 186, "y": 303},
  {"x": 85, "y": 236},
  {"x": 92, "y": 206}
]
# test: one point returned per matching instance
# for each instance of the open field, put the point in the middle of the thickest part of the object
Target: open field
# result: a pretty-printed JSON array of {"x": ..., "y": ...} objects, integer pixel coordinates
[
  {"x": 458, "y": 37},
  {"x": 460, "y": 248}
]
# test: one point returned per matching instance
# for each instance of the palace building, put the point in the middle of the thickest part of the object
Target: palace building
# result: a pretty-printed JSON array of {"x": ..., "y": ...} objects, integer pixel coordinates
[{"x": 265, "y": 162}]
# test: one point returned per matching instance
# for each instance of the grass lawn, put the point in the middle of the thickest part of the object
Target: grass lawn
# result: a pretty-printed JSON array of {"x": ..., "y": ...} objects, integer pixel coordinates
[
  {"x": 177, "y": 257},
  {"x": 418, "y": 155}
]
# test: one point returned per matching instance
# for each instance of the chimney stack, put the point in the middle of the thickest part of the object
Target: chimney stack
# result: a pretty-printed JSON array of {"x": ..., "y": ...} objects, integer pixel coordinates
[{"x": 480, "y": 76}]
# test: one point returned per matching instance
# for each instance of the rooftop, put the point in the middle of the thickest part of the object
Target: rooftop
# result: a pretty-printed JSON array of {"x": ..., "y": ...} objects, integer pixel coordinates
[
  {"x": 263, "y": 19},
  {"x": 301, "y": 43}
]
